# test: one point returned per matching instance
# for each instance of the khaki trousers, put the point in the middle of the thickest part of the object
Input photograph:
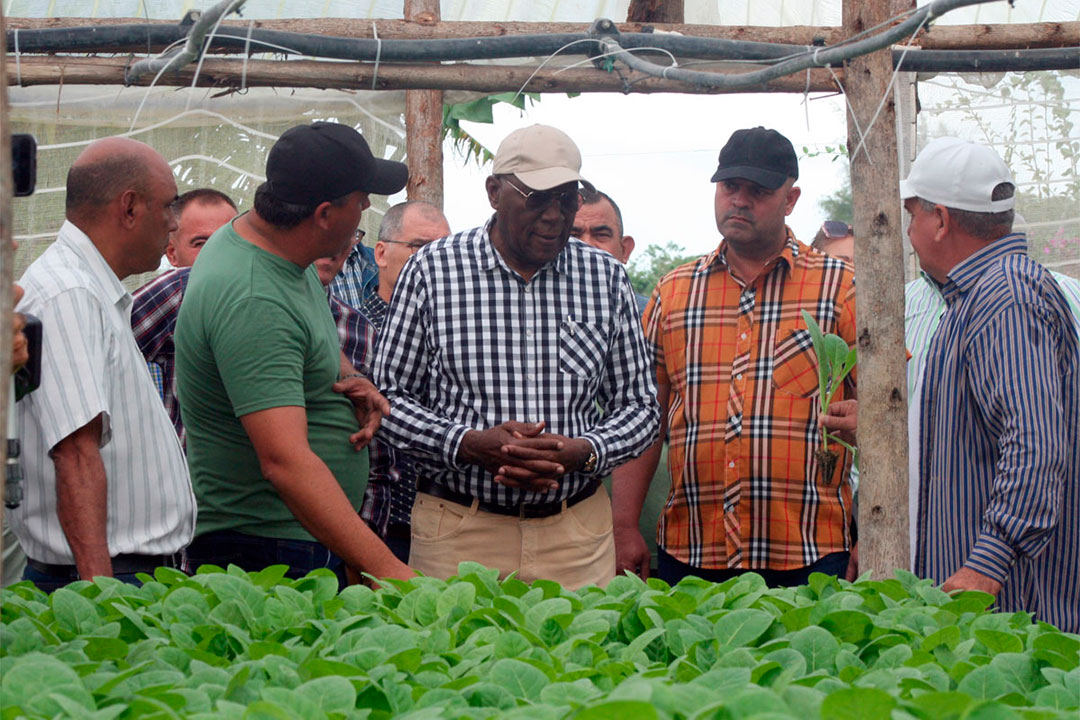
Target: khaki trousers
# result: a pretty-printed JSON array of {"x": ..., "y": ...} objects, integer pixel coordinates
[{"x": 574, "y": 548}]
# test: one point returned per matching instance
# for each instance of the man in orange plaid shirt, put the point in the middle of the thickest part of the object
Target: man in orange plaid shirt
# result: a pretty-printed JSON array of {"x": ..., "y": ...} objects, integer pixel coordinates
[{"x": 738, "y": 389}]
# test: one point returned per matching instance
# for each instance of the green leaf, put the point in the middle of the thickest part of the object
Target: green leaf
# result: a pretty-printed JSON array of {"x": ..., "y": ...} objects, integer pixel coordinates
[
  {"x": 622, "y": 709},
  {"x": 332, "y": 694},
  {"x": 817, "y": 645},
  {"x": 460, "y": 595},
  {"x": 999, "y": 642},
  {"x": 858, "y": 704},
  {"x": 742, "y": 627},
  {"x": 985, "y": 683},
  {"x": 1019, "y": 670},
  {"x": 520, "y": 678},
  {"x": 73, "y": 612}
]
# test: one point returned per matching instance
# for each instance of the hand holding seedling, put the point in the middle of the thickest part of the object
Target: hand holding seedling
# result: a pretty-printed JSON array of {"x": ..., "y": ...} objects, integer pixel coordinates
[{"x": 835, "y": 362}]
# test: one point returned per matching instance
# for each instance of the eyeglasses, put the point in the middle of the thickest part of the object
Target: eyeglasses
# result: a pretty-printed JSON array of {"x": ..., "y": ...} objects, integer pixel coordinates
[
  {"x": 834, "y": 229},
  {"x": 413, "y": 245},
  {"x": 537, "y": 200}
]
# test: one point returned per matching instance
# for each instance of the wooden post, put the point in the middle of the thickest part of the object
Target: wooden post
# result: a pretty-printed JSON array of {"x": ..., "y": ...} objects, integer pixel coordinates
[
  {"x": 879, "y": 303},
  {"x": 655, "y": 11},
  {"x": 7, "y": 267},
  {"x": 423, "y": 123}
]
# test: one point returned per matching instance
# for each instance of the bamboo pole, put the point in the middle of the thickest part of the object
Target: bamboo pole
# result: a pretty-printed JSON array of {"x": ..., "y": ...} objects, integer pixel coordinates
[
  {"x": 946, "y": 37},
  {"x": 7, "y": 265},
  {"x": 423, "y": 123},
  {"x": 226, "y": 74},
  {"x": 879, "y": 305}
]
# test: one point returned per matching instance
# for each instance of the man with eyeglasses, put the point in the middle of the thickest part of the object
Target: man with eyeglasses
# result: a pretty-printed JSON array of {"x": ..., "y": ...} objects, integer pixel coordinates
[
  {"x": 514, "y": 362},
  {"x": 391, "y": 490}
]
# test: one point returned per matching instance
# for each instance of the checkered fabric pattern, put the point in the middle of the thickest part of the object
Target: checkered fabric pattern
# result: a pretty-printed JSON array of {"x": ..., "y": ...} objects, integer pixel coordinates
[
  {"x": 153, "y": 320},
  {"x": 743, "y": 412},
  {"x": 468, "y": 344}
]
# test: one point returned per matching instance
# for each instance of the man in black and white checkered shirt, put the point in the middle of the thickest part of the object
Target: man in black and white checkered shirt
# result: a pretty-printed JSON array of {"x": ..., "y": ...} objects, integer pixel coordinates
[{"x": 515, "y": 365}]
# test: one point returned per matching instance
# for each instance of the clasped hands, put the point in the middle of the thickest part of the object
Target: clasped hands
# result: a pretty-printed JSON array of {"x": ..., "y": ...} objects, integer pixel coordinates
[{"x": 522, "y": 455}]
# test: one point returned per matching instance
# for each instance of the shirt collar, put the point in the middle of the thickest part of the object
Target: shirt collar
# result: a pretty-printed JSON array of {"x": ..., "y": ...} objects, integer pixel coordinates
[
  {"x": 488, "y": 257},
  {"x": 966, "y": 273},
  {"x": 80, "y": 243},
  {"x": 718, "y": 257}
]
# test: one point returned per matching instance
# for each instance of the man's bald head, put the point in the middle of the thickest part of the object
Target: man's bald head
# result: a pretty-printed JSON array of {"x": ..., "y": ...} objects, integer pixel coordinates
[{"x": 105, "y": 169}]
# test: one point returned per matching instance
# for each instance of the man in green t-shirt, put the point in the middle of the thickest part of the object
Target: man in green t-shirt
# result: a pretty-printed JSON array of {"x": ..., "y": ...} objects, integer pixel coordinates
[{"x": 263, "y": 386}]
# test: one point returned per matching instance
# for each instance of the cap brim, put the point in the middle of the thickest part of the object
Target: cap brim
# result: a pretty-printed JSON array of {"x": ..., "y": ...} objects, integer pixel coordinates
[
  {"x": 547, "y": 178},
  {"x": 907, "y": 190},
  {"x": 766, "y": 178},
  {"x": 390, "y": 177}
]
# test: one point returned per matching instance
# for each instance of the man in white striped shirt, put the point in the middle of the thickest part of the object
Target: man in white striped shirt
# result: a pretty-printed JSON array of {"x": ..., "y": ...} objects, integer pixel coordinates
[{"x": 106, "y": 491}]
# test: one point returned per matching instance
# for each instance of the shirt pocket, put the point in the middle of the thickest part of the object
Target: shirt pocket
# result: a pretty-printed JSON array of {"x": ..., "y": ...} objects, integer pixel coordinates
[
  {"x": 582, "y": 348},
  {"x": 795, "y": 368}
]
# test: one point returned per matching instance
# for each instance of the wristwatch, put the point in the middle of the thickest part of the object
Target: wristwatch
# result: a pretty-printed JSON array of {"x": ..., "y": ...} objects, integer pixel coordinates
[{"x": 590, "y": 463}]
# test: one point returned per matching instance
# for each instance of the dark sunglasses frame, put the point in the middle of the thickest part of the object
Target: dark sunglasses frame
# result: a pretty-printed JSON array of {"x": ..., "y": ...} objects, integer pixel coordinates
[{"x": 539, "y": 200}]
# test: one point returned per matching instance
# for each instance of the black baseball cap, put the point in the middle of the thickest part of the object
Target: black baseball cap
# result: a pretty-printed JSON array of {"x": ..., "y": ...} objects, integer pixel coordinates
[
  {"x": 310, "y": 164},
  {"x": 759, "y": 155}
]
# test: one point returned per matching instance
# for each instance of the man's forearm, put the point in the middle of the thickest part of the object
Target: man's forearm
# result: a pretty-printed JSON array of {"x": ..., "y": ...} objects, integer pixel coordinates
[
  {"x": 81, "y": 507},
  {"x": 630, "y": 485},
  {"x": 313, "y": 495}
]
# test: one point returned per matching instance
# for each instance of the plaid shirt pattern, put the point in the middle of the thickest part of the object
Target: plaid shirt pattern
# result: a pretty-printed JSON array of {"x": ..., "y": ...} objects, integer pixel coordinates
[
  {"x": 743, "y": 410},
  {"x": 391, "y": 487},
  {"x": 469, "y": 344},
  {"x": 358, "y": 279},
  {"x": 153, "y": 320}
]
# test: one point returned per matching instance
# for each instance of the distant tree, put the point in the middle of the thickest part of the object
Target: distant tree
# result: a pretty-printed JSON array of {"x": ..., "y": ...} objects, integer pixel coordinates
[
  {"x": 838, "y": 206},
  {"x": 646, "y": 270}
]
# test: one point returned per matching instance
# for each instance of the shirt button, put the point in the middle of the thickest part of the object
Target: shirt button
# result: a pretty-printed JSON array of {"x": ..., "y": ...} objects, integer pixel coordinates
[
  {"x": 530, "y": 377},
  {"x": 729, "y": 507},
  {"x": 731, "y": 465},
  {"x": 529, "y": 332},
  {"x": 743, "y": 336},
  {"x": 739, "y": 376}
]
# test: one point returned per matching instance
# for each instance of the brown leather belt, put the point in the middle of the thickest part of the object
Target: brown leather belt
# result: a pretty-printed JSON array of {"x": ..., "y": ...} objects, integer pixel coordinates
[{"x": 521, "y": 510}]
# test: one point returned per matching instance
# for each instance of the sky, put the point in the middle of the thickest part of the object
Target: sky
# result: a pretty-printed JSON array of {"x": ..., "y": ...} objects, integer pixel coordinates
[{"x": 654, "y": 154}]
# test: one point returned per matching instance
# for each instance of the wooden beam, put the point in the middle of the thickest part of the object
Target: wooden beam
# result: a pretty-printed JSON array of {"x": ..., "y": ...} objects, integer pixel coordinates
[
  {"x": 7, "y": 265},
  {"x": 944, "y": 37},
  {"x": 655, "y": 11},
  {"x": 226, "y": 74},
  {"x": 423, "y": 123},
  {"x": 879, "y": 306}
]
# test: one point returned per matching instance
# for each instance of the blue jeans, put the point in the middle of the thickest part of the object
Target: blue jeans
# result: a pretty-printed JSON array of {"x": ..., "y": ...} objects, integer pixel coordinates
[
  {"x": 672, "y": 571},
  {"x": 47, "y": 582},
  {"x": 252, "y": 553}
]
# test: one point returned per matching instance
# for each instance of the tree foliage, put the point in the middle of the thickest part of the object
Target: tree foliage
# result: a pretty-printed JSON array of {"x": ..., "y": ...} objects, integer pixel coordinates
[{"x": 656, "y": 261}]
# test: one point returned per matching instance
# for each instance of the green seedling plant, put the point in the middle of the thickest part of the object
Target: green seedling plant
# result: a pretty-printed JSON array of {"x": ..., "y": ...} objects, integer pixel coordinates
[{"x": 835, "y": 362}]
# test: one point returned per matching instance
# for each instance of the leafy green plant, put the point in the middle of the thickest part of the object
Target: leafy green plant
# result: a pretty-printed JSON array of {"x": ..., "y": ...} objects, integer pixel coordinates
[
  {"x": 835, "y": 363},
  {"x": 480, "y": 110},
  {"x": 235, "y": 645}
]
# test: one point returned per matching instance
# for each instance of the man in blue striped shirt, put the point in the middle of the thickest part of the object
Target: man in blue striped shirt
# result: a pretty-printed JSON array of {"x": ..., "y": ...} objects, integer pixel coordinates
[{"x": 999, "y": 465}]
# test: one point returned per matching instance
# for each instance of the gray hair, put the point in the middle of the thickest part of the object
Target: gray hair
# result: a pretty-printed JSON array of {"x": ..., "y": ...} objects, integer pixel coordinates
[
  {"x": 395, "y": 216},
  {"x": 985, "y": 226}
]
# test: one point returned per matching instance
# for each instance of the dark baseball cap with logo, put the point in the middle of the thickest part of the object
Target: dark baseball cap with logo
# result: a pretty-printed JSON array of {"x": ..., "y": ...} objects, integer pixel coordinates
[
  {"x": 311, "y": 164},
  {"x": 759, "y": 155}
]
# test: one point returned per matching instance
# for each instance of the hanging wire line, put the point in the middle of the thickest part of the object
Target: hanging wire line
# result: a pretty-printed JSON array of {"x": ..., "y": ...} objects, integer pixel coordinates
[
  {"x": 888, "y": 90},
  {"x": 545, "y": 62}
]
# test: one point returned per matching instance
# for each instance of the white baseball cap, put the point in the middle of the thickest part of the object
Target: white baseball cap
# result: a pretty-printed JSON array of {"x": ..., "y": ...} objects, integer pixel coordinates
[
  {"x": 541, "y": 156},
  {"x": 958, "y": 174}
]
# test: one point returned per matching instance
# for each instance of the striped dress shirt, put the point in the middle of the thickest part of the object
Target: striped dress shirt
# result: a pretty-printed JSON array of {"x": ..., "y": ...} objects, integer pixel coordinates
[
  {"x": 358, "y": 279},
  {"x": 923, "y": 308},
  {"x": 999, "y": 467},
  {"x": 468, "y": 344},
  {"x": 91, "y": 366}
]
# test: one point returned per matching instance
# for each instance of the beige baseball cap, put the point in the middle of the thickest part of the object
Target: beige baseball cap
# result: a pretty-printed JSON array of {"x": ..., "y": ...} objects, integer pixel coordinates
[{"x": 540, "y": 156}]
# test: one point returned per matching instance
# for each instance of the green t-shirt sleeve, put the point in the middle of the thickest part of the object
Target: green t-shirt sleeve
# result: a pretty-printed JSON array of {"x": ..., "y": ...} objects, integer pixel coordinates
[{"x": 259, "y": 348}]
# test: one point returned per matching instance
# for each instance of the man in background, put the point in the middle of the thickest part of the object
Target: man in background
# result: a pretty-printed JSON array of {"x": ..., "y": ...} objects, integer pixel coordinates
[
  {"x": 106, "y": 488},
  {"x": 599, "y": 223},
  {"x": 391, "y": 490},
  {"x": 200, "y": 213},
  {"x": 835, "y": 238}
]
